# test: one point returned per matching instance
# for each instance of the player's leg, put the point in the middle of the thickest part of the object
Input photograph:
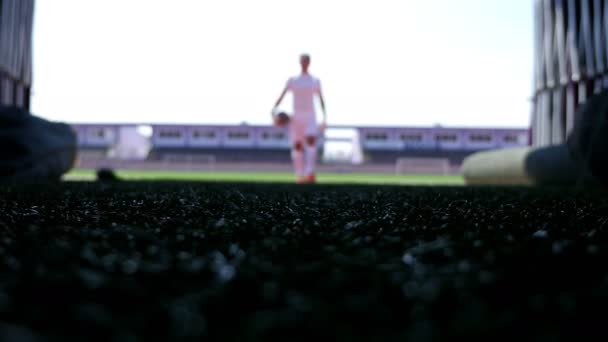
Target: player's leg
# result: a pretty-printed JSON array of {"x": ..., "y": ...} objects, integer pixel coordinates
[
  {"x": 297, "y": 149},
  {"x": 310, "y": 158},
  {"x": 297, "y": 157}
]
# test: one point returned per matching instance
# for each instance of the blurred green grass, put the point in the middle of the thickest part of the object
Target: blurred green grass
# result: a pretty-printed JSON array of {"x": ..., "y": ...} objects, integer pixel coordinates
[{"x": 274, "y": 177}]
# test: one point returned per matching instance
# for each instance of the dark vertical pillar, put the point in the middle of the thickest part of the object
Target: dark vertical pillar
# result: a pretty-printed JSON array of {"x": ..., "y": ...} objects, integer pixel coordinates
[{"x": 16, "y": 21}]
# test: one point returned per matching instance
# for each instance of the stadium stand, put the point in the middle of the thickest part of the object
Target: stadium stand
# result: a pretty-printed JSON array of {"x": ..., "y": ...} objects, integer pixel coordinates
[
  {"x": 246, "y": 147},
  {"x": 266, "y": 155}
]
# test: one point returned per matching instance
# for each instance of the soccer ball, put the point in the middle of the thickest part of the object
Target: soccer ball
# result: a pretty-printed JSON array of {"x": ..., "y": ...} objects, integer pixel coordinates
[{"x": 281, "y": 119}]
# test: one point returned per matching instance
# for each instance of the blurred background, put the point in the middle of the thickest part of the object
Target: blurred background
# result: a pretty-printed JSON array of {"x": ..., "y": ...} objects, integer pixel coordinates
[{"x": 412, "y": 87}]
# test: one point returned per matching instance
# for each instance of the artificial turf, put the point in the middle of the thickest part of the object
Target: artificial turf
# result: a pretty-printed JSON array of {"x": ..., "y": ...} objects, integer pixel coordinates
[{"x": 131, "y": 261}]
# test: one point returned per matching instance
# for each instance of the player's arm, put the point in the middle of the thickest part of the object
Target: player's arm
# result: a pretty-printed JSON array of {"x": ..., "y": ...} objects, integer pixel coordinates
[
  {"x": 280, "y": 98},
  {"x": 285, "y": 90},
  {"x": 322, "y": 102}
]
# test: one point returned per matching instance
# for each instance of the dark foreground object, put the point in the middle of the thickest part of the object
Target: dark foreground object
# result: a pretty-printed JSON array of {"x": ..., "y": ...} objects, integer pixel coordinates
[
  {"x": 33, "y": 149},
  {"x": 175, "y": 261},
  {"x": 107, "y": 175},
  {"x": 588, "y": 141}
]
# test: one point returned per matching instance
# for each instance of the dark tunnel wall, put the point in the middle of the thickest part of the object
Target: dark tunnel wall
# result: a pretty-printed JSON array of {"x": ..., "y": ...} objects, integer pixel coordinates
[
  {"x": 571, "y": 63},
  {"x": 16, "y": 21}
]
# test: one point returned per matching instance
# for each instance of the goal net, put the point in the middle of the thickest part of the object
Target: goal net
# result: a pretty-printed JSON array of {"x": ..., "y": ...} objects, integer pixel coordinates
[
  {"x": 422, "y": 166},
  {"x": 189, "y": 162}
]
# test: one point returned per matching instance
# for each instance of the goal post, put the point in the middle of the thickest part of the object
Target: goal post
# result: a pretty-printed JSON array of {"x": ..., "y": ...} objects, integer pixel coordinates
[{"x": 422, "y": 166}]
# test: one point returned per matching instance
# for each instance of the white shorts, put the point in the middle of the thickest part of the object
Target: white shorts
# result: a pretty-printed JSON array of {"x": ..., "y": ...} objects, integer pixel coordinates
[{"x": 302, "y": 126}]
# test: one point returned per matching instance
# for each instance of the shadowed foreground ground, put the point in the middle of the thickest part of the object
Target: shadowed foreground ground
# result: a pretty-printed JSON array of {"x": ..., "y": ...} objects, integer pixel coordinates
[{"x": 181, "y": 261}]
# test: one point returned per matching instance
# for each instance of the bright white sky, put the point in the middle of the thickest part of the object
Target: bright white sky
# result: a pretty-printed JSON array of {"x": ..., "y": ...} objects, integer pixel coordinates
[{"x": 381, "y": 62}]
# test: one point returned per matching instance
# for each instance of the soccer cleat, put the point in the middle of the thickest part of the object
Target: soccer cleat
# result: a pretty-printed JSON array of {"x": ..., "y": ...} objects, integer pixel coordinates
[
  {"x": 301, "y": 180},
  {"x": 34, "y": 149},
  {"x": 311, "y": 178}
]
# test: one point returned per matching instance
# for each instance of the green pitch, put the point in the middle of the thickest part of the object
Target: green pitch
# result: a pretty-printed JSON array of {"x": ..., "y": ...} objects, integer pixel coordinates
[{"x": 281, "y": 177}]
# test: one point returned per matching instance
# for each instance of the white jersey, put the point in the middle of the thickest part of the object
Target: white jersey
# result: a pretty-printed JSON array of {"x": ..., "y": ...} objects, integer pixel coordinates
[{"x": 304, "y": 88}]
